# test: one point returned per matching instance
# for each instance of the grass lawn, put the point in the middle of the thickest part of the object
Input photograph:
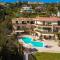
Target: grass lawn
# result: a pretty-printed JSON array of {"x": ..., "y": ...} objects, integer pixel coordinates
[{"x": 47, "y": 56}]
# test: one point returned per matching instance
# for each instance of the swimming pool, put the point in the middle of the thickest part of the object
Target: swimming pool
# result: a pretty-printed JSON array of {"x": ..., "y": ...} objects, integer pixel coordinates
[
  {"x": 37, "y": 44},
  {"x": 28, "y": 40}
]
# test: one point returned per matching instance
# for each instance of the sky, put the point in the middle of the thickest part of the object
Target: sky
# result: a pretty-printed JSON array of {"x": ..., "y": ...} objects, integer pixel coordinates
[{"x": 45, "y": 1}]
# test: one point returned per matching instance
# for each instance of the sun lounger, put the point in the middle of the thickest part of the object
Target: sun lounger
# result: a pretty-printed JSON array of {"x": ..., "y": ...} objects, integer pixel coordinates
[{"x": 48, "y": 46}]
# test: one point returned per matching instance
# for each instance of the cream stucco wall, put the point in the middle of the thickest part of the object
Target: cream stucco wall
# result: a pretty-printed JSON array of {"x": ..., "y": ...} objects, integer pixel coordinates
[{"x": 38, "y": 22}]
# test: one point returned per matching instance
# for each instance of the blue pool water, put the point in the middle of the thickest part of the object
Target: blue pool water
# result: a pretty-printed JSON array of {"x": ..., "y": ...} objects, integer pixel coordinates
[
  {"x": 37, "y": 44},
  {"x": 28, "y": 40}
]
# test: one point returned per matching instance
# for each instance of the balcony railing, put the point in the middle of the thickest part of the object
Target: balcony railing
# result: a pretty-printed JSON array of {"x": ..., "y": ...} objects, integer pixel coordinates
[
  {"x": 31, "y": 25},
  {"x": 25, "y": 25}
]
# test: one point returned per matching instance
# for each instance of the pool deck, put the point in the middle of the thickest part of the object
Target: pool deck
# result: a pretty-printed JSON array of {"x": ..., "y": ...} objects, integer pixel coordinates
[{"x": 54, "y": 49}]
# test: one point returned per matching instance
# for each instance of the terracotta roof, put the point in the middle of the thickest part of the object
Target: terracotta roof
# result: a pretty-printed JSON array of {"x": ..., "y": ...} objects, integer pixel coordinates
[
  {"x": 48, "y": 18},
  {"x": 41, "y": 18}
]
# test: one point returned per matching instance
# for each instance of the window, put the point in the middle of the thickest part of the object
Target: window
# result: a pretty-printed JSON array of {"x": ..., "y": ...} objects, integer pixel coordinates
[
  {"x": 58, "y": 22},
  {"x": 27, "y": 21},
  {"x": 16, "y": 22},
  {"x": 17, "y": 33},
  {"x": 49, "y": 23},
  {"x": 18, "y": 27},
  {"x": 23, "y": 22},
  {"x": 43, "y": 22},
  {"x": 32, "y": 22},
  {"x": 47, "y": 29}
]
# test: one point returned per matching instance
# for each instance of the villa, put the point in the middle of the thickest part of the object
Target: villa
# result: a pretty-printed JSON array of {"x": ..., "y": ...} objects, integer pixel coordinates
[
  {"x": 47, "y": 27},
  {"x": 35, "y": 3},
  {"x": 26, "y": 9}
]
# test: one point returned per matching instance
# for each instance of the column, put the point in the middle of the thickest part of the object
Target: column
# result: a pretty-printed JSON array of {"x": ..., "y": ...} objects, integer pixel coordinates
[
  {"x": 52, "y": 28},
  {"x": 25, "y": 55},
  {"x": 36, "y": 22}
]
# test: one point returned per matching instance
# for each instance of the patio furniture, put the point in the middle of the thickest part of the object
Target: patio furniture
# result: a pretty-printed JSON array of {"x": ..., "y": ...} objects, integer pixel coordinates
[{"x": 48, "y": 46}]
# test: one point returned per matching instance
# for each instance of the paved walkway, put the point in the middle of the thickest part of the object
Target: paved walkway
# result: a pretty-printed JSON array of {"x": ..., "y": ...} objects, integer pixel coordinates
[{"x": 54, "y": 47}]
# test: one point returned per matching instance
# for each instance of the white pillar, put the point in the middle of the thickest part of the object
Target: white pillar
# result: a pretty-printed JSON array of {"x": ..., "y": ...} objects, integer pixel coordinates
[
  {"x": 52, "y": 28},
  {"x": 25, "y": 56},
  {"x": 35, "y": 22}
]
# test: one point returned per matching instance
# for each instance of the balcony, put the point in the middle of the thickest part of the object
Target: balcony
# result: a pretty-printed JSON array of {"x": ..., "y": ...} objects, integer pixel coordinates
[
  {"x": 57, "y": 26},
  {"x": 37, "y": 25},
  {"x": 28, "y": 25},
  {"x": 49, "y": 26}
]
